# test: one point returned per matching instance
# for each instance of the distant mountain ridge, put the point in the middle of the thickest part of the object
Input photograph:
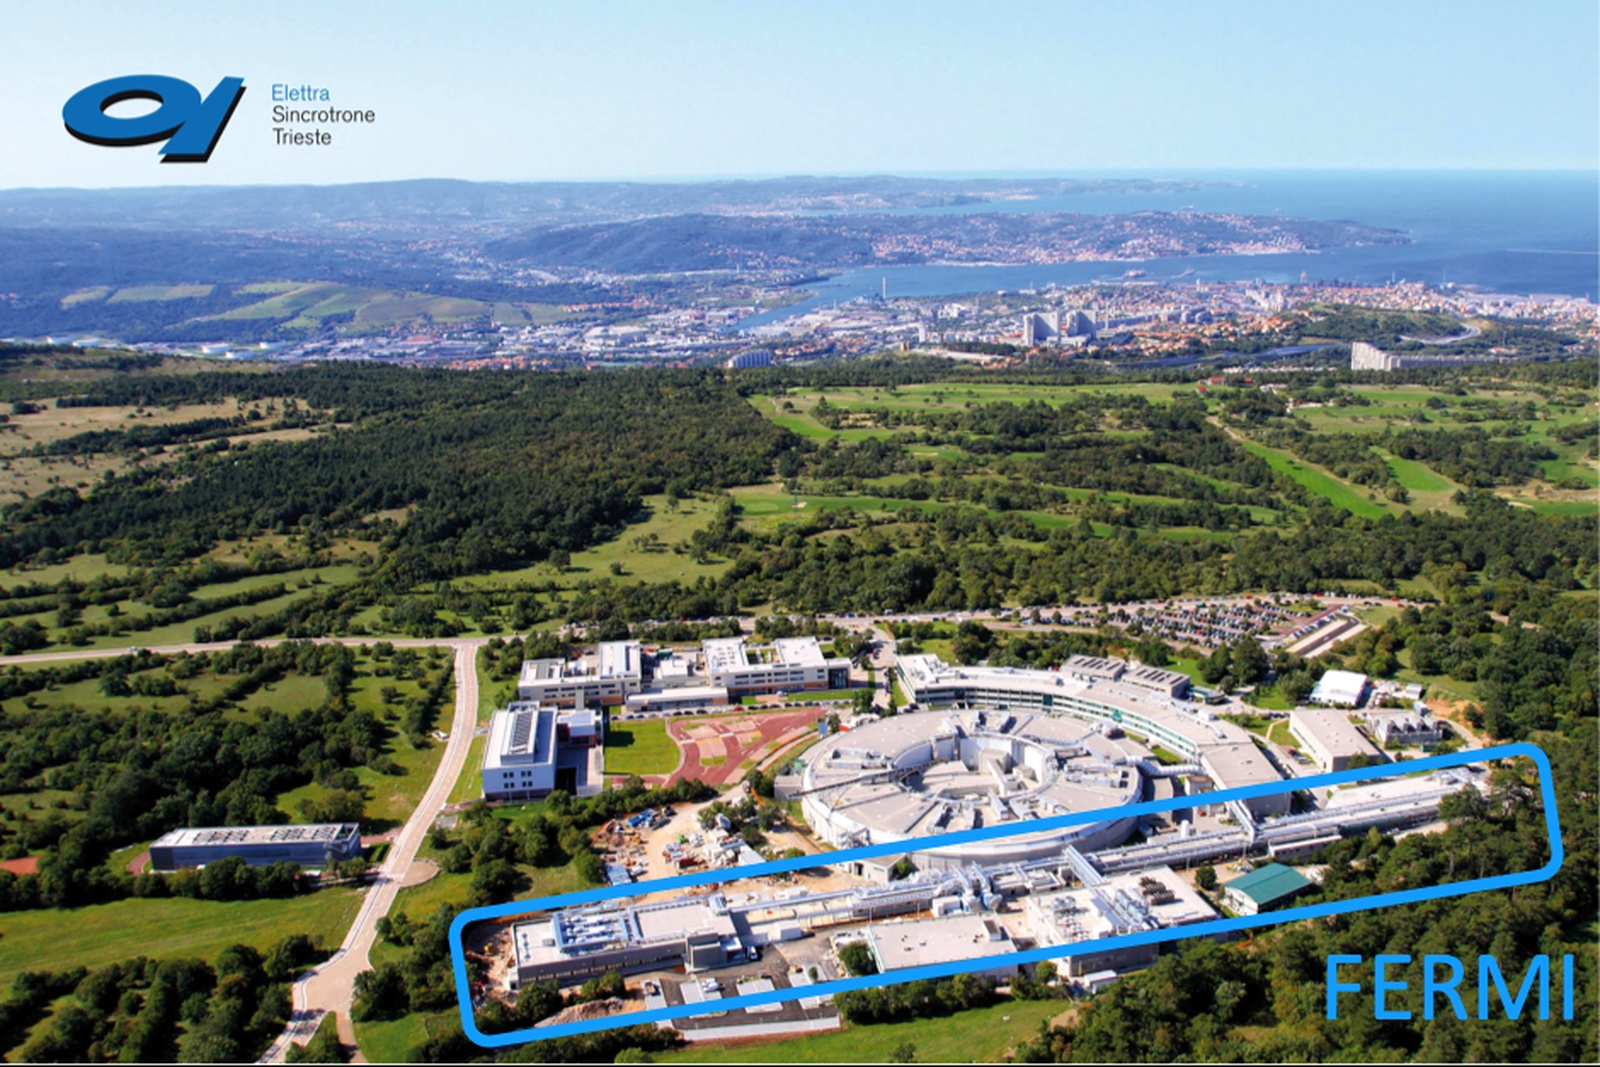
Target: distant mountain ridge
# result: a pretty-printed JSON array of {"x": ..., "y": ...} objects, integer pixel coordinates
[{"x": 450, "y": 204}]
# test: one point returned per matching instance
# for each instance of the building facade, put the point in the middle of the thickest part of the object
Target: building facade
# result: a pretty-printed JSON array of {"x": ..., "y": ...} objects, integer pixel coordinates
[{"x": 314, "y": 846}]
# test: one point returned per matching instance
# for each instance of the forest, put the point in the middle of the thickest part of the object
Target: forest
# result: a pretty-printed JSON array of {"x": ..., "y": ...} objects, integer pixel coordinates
[{"x": 658, "y": 504}]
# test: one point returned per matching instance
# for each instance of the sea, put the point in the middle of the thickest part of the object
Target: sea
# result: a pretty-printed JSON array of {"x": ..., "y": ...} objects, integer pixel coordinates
[{"x": 1514, "y": 232}]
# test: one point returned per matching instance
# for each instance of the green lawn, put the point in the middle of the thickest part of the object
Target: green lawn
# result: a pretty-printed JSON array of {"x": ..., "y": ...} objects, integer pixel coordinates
[
  {"x": 640, "y": 747},
  {"x": 982, "y": 1035},
  {"x": 1339, "y": 493},
  {"x": 470, "y": 785},
  {"x": 1429, "y": 489},
  {"x": 166, "y": 929},
  {"x": 391, "y": 1041}
]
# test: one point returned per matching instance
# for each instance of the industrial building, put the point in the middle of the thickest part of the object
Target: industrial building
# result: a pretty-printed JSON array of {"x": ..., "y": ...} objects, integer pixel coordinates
[
  {"x": 575, "y": 944},
  {"x": 1123, "y": 904},
  {"x": 604, "y": 677},
  {"x": 1331, "y": 739},
  {"x": 1265, "y": 888},
  {"x": 315, "y": 846},
  {"x": 911, "y": 776},
  {"x": 1108, "y": 692},
  {"x": 533, "y": 750},
  {"x": 951, "y": 939},
  {"x": 620, "y": 674},
  {"x": 1342, "y": 689},
  {"x": 1171, "y": 684},
  {"x": 1240, "y": 763},
  {"x": 1397, "y": 727}
]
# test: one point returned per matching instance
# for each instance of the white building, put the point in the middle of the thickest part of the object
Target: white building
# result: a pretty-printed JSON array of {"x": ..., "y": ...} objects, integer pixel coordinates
[
  {"x": 1224, "y": 751},
  {"x": 1397, "y": 727},
  {"x": 1344, "y": 689},
  {"x": 607, "y": 676},
  {"x": 1370, "y": 357},
  {"x": 1123, "y": 904},
  {"x": 533, "y": 750},
  {"x": 787, "y": 665},
  {"x": 576, "y": 944},
  {"x": 1330, "y": 738},
  {"x": 951, "y": 939}
]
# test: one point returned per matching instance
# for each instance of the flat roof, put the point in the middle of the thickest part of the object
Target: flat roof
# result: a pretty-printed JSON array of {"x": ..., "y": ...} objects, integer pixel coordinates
[
  {"x": 1086, "y": 914},
  {"x": 1332, "y": 730},
  {"x": 724, "y": 654},
  {"x": 705, "y": 693},
  {"x": 193, "y": 836},
  {"x": 522, "y": 735},
  {"x": 944, "y": 940},
  {"x": 1199, "y": 726},
  {"x": 1241, "y": 763},
  {"x": 799, "y": 652}
]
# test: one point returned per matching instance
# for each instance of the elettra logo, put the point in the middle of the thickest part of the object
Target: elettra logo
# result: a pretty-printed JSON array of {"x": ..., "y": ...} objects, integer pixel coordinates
[{"x": 190, "y": 124}]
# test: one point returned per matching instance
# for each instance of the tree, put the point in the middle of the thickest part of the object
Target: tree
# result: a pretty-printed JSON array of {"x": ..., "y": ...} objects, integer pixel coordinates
[
  {"x": 857, "y": 958},
  {"x": 1250, "y": 661},
  {"x": 380, "y": 994},
  {"x": 1206, "y": 878},
  {"x": 862, "y": 701},
  {"x": 905, "y": 1052}
]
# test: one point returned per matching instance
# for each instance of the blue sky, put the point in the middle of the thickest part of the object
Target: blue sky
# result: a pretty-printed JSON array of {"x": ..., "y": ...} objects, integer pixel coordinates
[{"x": 530, "y": 91}]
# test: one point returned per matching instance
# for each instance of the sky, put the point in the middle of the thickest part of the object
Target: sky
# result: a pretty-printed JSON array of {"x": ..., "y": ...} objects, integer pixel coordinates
[{"x": 527, "y": 91}]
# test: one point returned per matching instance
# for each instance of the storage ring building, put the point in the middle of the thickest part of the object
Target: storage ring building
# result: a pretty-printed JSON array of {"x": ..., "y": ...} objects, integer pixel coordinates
[
  {"x": 997, "y": 744},
  {"x": 912, "y": 776}
]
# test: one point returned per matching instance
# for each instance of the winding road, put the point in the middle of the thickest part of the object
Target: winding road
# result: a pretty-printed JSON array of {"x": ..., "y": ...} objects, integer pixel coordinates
[{"x": 331, "y": 986}]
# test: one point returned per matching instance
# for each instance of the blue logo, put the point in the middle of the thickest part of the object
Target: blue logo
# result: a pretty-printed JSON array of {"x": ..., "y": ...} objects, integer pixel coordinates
[{"x": 190, "y": 124}]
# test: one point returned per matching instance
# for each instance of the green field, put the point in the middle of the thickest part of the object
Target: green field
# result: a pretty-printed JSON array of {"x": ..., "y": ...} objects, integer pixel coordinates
[
  {"x": 306, "y": 305},
  {"x": 1340, "y": 493},
  {"x": 137, "y": 293},
  {"x": 982, "y": 1035},
  {"x": 1428, "y": 488},
  {"x": 390, "y": 1040},
  {"x": 640, "y": 747},
  {"x": 641, "y": 559},
  {"x": 166, "y": 929}
]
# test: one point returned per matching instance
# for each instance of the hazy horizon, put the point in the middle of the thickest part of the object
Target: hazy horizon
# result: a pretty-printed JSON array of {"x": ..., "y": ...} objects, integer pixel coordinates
[{"x": 712, "y": 90}]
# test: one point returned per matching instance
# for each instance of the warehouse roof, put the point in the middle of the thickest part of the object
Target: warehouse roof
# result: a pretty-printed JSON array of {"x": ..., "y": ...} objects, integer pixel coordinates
[{"x": 1270, "y": 884}]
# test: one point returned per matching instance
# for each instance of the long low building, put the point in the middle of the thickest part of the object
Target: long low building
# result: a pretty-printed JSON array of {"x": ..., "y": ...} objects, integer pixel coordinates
[
  {"x": 314, "y": 846},
  {"x": 1331, "y": 739},
  {"x": 607, "y": 676},
  {"x": 1191, "y": 731},
  {"x": 789, "y": 664},
  {"x": 952, "y": 939},
  {"x": 575, "y": 944}
]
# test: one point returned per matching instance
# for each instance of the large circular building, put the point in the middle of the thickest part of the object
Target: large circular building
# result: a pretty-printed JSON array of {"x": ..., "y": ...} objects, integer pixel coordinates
[{"x": 914, "y": 776}]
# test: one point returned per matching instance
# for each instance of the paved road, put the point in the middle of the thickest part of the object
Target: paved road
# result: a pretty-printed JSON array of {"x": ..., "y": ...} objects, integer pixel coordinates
[
  {"x": 331, "y": 987},
  {"x": 30, "y": 658}
]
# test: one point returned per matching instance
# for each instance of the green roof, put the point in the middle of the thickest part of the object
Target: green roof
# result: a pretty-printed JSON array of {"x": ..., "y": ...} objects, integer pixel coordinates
[{"x": 1271, "y": 883}]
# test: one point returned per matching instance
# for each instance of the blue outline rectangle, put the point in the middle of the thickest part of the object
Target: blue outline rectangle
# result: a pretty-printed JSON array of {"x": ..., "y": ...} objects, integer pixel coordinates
[{"x": 1034, "y": 955}]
